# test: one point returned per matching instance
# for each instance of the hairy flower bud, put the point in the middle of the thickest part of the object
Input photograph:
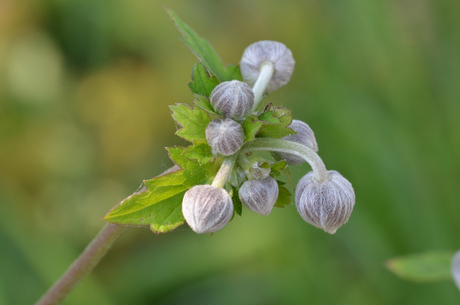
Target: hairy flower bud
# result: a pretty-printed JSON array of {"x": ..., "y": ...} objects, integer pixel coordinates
[
  {"x": 304, "y": 136},
  {"x": 326, "y": 205},
  {"x": 232, "y": 99},
  {"x": 207, "y": 208},
  {"x": 259, "y": 195},
  {"x": 456, "y": 269},
  {"x": 267, "y": 51},
  {"x": 225, "y": 136}
]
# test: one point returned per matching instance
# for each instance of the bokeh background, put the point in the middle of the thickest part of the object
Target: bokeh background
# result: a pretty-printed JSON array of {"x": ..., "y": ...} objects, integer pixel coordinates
[{"x": 84, "y": 92}]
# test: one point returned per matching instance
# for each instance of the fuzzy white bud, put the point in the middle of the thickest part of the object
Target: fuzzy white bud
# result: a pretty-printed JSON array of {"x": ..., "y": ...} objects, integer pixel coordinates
[
  {"x": 206, "y": 208},
  {"x": 259, "y": 195},
  {"x": 456, "y": 269},
  {"x": 304, "y": 136},
  {"x": 267, "y": 51},
  {"x": 225, "y": 136},
  {"x": 326, "y": 205},
  {"x": 232, "y": 99}
]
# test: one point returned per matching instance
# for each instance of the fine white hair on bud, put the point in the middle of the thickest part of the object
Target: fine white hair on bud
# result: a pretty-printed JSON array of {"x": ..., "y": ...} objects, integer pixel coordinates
[
  {"x": 206, "y": 208},
  {"x": 259, "y": 195},
  {"x": 273, "y": 52},
  {"x": 225, "y": 136},
  {"x": 326, "y": 205},
  {"x": 456, "y": 269},
  {"x": 304, "y": 136},
  {"x": 232, "y": 99}
]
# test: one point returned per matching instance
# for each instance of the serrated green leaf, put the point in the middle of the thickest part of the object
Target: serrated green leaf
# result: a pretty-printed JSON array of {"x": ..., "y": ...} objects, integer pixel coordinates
[
  {"x": 284, "y": 196},
  {"x": 193, "y": 121},
  {"x": 237, "y": 204},
  {"x": 277, "y": 167},
  {"x": 251, "y": 127},
  {"x": 275, "y": 121},
  {"x": 427, "y": 267},
  {"x": 200, "y": 152},
  {"x": 158, "y": 204},
  {"x": 202, "y": 82},
  {"x": 203, "y": 103},
  {"x": 205, "y": 52}
]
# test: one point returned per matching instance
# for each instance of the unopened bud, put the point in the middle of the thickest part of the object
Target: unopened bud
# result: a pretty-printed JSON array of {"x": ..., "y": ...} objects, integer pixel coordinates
[
  {"x": 259, "y": 195},
  {"x": 456, "y": 269},
  {"x": 304, "y": 136},
  {"x": 267, "y": 51},
  {"x": 206, "y": 208},
  {"x": 232, "y": 99},
  {"x": 326, "y": 205},
  {"x": 225, "y": 136}
]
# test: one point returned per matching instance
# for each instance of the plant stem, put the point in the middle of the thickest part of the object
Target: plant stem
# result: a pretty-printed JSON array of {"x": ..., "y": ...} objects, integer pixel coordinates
[
  {"x": 267, "y": 69},
  {"x": 87, "y": 260},
  {"x": 293, "y": 148},
  {"x": 225, "y": 171},
  {"x": 83, "y": 265}
]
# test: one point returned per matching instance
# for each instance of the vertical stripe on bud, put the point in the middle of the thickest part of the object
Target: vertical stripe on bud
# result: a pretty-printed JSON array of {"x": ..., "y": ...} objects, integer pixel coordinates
[
  {"x": 326, "y": 205},
  {"x": 232, "y": 99},
  {"x": 206, "y": 208},
  {"x": 267, "y": 51},
  {"x": 225, "y": 136},
  {"x": 304, "y": 136},
  {"x": 259, "y": 195}
]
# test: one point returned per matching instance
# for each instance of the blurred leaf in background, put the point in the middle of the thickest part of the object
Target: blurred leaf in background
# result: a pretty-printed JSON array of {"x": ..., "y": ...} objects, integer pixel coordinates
[{"x": 84, "y": 90}]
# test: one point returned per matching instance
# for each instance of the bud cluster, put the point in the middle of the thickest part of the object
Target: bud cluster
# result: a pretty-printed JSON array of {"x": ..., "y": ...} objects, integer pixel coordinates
[{"x": 323, "y": 198}]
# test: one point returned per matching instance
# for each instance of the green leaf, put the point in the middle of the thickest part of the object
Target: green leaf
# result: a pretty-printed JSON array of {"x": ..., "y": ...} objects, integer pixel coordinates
[
  {"x": 158, "y": 203},
  {"x": 251, "y": 127},
  {"x": 275, "y": 121},
  {"x": 277, "y": 167},
  {"x": 200, "y": 152},
  {"x": 205, "y": 52},
  {"x": 203, "y": 103},
  {"x": 237, "y": 204},
  {"x": 202, "y": 82},
  {"x": 193, "y": 121},
  {"x": 427, "y": 267},
  {"x": 284, "y": 196}
]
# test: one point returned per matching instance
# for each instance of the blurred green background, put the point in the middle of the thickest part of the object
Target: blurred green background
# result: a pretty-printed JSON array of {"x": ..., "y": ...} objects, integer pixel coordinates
[{"x": 84, "y": 90}]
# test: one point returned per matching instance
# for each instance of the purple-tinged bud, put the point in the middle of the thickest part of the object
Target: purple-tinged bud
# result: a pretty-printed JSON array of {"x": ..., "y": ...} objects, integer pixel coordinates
[
  {"x": 225, "y": 136},
  {"x": 304, "y": 136},
  {"x": 206, "y": 208},
  {"x": 326, "y": 205},
  {"x": 232, "y": 99},
  {"x": 259, "y": 195},
  {"x": 267, "y": 51},
  {"x": 456, "y": 269}
]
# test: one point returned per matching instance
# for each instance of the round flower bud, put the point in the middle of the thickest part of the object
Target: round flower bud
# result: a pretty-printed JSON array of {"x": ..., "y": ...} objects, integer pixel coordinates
[
  {"x": 267, "y": 51},
  {"x": 207, "y": 208},
  {"x": 304, "y": 136},
  {"x": 326, "y": 205},
  {"x": 225, "y": 136},
  {"x": 259, "y": 195},
  {"x": 232, "y": 99},
  {"x": 456, "y": 269}
]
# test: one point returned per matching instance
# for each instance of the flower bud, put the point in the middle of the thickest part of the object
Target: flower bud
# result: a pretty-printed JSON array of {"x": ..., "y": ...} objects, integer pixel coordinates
[
  {"x": 232, "y": 99},
  {"x": 259, "y": 195},
  {"x": 326, "y": 205},
  {"x": 304, "y": 136},
  {"x": 206, "y": 208},
  {"x": 225, "y": 136},
  {"x": 267, "y": 51},
  {"x": 456, "y": 269}
]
